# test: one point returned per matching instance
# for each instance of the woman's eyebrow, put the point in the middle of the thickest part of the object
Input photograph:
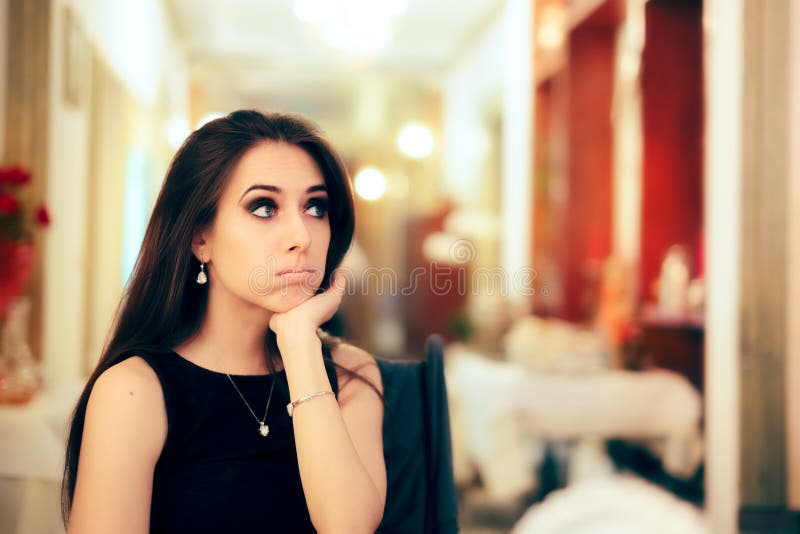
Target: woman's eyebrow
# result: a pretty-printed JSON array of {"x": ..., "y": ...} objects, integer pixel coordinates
[{"x": 278, "y": 190}]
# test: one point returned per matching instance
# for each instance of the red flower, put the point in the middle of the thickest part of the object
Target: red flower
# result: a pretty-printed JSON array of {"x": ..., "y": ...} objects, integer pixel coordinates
[
  {"x": 20, "y": 176},
  {"x": 14, "y": 175},
  {"x": 9, "y": 205},
  {"x": 42, "y": 216}
]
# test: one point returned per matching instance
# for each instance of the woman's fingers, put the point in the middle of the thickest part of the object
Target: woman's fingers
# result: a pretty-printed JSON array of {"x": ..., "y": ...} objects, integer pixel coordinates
[{"x": 315, "y": 310}]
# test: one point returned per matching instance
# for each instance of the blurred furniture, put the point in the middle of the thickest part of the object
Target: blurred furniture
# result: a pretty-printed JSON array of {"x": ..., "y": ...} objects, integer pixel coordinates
[
  {"x": 435, "y": 284},
  {"x": 554, "y": 346},
  {"x": 502, "y": 413},
  {"x": 676, "y": 344},
  {"x": 416, "y": 440},
  {"x": 31, "y": 461}
]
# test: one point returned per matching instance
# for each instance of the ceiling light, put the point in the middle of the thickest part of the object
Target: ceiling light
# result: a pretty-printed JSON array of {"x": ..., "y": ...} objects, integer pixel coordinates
[
  {"x": 415, "y": 140},
  {"x": 374, "y": 8},
  {"x": 551, "y": 30},
  {"x": 370, "y": 183},
  {"x": 359, "y": 27},
  {"x": 314, "y": 11}
]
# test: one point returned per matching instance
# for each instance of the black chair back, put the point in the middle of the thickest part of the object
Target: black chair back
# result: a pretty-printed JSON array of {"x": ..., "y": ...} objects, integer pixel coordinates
[{"x": 420, "y": 495}]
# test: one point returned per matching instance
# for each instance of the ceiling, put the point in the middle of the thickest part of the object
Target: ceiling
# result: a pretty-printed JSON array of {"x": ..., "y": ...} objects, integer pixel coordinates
[
  {"x": 257, "y": 53},
  {"x": 426, "y": 36}
]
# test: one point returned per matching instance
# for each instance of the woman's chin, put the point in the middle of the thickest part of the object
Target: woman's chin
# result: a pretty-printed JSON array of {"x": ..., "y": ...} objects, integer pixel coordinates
[{"x": 284, "y": 301}]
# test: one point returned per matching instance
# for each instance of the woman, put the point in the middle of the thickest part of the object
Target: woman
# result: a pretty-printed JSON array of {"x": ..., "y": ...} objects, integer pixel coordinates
[{"x": 217, "y": 405}]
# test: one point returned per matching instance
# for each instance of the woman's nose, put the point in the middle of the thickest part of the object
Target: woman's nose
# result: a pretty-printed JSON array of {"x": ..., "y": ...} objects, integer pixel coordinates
[{"x": 298, "y": 236}]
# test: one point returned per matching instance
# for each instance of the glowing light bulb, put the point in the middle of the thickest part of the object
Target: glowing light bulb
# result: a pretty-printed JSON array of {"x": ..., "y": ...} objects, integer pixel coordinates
[
  {"x": 415, "y": 140},
  {"x": 370, "y": 183}
]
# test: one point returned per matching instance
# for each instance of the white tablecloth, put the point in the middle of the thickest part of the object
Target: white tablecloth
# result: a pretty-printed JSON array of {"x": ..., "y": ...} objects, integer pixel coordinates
[
  {"x": 32, "y": 441},
  {"x": 501, "y": 411},
  {"x": 614, "y": 504}
]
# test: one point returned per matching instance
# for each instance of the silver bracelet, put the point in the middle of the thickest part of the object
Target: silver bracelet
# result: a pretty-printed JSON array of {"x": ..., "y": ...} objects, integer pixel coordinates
[{"x": 292, "y": 405}]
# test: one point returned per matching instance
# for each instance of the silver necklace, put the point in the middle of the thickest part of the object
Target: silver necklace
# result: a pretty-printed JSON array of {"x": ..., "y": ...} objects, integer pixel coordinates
[{"x": 263, "y": 428}]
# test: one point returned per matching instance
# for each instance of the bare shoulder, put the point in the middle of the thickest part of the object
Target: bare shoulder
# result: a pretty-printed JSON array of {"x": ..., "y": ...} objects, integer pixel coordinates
[
  {"x": 359, "y": 361},
  {"x": 130, "y": 394},
  {"x": 123, "y": 435},
  {"x": 127, "y": 379}
]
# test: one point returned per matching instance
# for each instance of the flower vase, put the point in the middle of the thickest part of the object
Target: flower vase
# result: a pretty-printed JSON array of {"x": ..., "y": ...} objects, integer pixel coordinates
[{"x": 20, "y": 376}]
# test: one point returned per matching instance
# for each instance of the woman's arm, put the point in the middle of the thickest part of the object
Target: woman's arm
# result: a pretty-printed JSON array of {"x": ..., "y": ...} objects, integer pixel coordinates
[
  {"x": 339, "y": 446},
  {"x": 123, "y": 434}
]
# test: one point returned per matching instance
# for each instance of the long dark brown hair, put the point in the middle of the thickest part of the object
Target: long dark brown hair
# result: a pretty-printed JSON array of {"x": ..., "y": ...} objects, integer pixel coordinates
[{"x": 165, "y": 268}]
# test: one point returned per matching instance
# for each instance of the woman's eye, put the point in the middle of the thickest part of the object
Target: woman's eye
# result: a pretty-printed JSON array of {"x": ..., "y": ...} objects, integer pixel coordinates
[
  {"x": 318, "y": 208},
  {"x": 263, "y": 208}
]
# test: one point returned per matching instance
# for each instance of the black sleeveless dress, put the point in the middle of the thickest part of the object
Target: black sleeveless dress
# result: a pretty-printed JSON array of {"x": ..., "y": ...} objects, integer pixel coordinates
[{"x": 216, "y": 472}]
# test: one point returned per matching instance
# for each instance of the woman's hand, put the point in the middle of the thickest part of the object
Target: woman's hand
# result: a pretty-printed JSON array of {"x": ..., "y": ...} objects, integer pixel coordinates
[{"x": 301, "y": 322}]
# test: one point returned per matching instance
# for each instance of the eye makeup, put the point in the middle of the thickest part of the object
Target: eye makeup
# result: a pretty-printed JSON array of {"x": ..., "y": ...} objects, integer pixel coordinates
[
  {"x": 265, "y": 207},
  {"x": 320, "y": 205}
]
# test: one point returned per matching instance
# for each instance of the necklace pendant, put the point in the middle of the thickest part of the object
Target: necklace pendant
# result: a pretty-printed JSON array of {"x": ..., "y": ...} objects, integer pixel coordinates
[{"x": 263, "y": 429}]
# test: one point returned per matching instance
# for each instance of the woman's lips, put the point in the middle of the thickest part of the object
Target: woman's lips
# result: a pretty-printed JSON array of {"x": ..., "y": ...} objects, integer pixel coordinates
[{"x": 295, "y": 276}]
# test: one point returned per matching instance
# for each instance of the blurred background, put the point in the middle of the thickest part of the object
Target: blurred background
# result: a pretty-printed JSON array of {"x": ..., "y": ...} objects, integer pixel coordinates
[{"x": 595, "y": 202}]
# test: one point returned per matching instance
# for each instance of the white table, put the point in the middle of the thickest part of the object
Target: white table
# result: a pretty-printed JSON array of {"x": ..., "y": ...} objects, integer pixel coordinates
[
  {"x": 500, "y": 413},
  {"x": 32, "y": 447}
]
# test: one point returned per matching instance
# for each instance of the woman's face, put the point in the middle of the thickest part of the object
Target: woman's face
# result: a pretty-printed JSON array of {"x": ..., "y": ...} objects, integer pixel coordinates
[{"x": 269, "y": 240}]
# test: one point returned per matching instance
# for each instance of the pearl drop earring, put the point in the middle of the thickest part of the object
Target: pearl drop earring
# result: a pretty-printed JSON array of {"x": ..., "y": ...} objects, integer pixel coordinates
[{"x": 201, "y": 276}]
